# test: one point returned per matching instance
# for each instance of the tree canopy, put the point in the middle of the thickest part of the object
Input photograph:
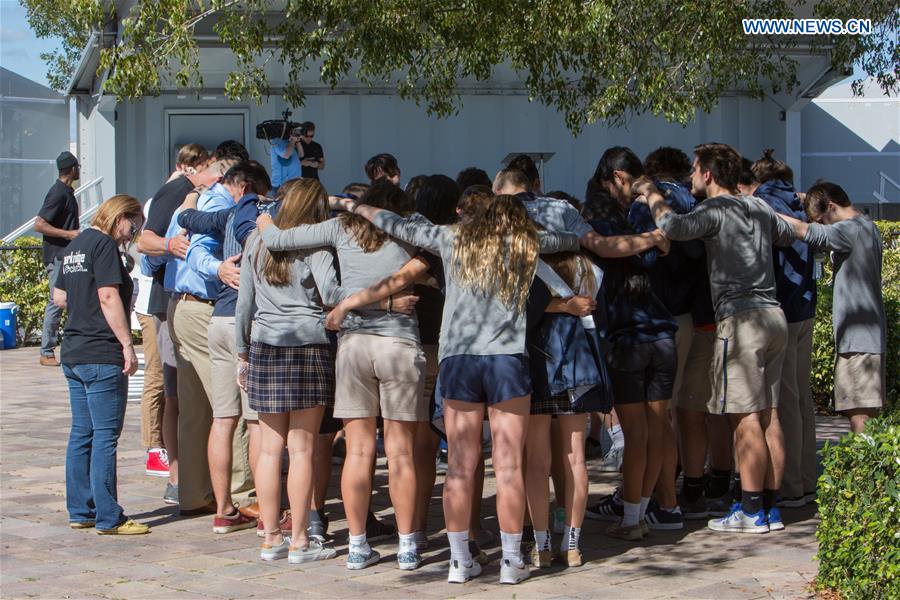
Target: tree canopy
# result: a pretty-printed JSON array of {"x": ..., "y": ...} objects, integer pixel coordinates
[{"x": 591, "y": 60}]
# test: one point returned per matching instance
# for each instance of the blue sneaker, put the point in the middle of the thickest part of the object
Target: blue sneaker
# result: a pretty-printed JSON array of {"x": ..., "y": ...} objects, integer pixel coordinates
[
  {"x": 774, "y": 519},
  {"x": 408, "y": 560},
  {"x": 737, "y": 521},
  {"x": 360, "y": 560}
]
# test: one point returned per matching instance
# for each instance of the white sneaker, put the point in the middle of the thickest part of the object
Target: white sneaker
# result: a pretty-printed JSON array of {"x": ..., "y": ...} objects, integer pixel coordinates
[
  {"x": 513, "y": 573},
  {"x": 461, "y": 573},
  {"x": 315, "y": 551},
  {"x": 275, "y": 552},
  {"x": 737, "y": 521}
]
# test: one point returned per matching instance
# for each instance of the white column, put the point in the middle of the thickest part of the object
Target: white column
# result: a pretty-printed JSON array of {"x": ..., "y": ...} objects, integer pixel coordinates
[{"x": 793, "y": 142}]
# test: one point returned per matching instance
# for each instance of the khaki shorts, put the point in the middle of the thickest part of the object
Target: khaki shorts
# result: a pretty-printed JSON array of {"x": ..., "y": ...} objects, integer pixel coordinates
[
  {"x": 226, "y": 398},
  {"x": 696, "y": 388},
  {"x": 379, "y": 376},
  {"x": 858, "y": 381},
  {"x": 747, "y": 359}
]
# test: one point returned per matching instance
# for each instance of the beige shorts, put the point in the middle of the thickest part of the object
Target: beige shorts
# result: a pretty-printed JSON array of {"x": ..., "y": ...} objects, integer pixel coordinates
[
  {"x": 379, "y": 376},
  {"x": 747, "y": 359},
  {"x": 858, "y": 381},
  {"x": 226, "y": 398},
  {"x": 695, "y": 391}
]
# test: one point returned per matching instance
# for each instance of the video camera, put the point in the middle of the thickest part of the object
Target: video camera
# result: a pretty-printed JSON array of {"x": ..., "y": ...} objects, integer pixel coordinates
[{"x": 275, "y": 129}]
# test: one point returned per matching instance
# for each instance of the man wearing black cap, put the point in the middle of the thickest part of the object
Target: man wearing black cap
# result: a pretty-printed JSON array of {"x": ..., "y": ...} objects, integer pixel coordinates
[{"x": 58, "y": 222}]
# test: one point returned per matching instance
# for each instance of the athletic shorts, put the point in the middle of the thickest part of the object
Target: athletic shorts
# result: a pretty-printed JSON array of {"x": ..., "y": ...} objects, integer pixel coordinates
[
  {"x": 858, "y": 381},
  {"x": 747, "y": 361},
  {"x": 380, "y": 376},
  {"x": 489, "y": 379},
  {"x": 642, "y": 371}
]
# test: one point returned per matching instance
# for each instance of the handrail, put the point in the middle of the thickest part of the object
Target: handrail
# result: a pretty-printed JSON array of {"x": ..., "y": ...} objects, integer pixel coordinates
[
  {"x": 885, "y": 177},
  {"x": 29, "y": 224}
]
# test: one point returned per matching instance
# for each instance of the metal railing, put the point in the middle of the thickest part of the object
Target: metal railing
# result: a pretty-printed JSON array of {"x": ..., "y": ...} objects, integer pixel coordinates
[{"x": 87, "y": 201}]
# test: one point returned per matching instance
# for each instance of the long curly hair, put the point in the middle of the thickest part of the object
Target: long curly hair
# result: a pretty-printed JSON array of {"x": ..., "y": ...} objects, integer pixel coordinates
[
  {"x": 304, "y": 202},
  {"x": 496, "y": 253}
]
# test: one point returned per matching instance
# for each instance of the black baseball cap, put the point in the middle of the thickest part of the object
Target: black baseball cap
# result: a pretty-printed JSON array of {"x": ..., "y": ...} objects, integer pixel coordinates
[{"x": 65, "y": 160}]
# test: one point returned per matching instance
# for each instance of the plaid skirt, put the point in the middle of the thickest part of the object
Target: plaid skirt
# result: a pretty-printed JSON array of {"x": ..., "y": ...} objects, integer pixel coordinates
[
  {"x": 560, "y": 404},
  {"x": 286, "y": 378}
]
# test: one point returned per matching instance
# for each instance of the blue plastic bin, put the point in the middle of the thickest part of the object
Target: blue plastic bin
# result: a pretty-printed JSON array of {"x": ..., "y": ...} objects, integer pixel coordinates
[{"x": 8, "y": 324}]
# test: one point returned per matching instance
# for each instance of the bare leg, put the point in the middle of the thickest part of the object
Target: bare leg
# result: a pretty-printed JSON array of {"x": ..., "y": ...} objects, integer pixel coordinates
[
  {"x": 571, "y": 450},
  {"x": 273, "y": 438},
  {"x": 301, "y": 442},
  {"x": 751, "y": 450},
  {"x": 477, "y": 493},
  {"x": 775, "y": 444},
  {"x": 660, "y": 442},
  {"x": 859, "y": 416},
  {"x": 399, "y": 440},
  {"x": 426, "y": 445},
  {"x": 356, "y": 478},
  {"x": 537, "y": 469},
  {"x": 509, "y": 422},
  {"x": 633, "y": 418},
  {"x": 219, "y": 455},
  {"x": 254, "y": 434},
  {"x": 322, "y": 469},
  {"x": 693, "y": 441},
  {"x": 463, "y": 424}
]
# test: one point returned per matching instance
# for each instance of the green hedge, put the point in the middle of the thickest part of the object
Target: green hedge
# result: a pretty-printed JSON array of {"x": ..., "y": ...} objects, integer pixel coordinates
[
  {"x": 24, "y": 281},
  {"x": 822, "y": 377},
  {"x": 859, "y": 504}
]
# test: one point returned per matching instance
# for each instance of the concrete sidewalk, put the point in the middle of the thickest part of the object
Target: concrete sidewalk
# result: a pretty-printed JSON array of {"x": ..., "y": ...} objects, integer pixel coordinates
[{"x": 42, "y": 558}]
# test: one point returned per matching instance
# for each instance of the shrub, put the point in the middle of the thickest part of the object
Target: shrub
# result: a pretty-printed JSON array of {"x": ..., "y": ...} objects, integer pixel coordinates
[
  {"x": 859, "y": 504},
  {"x": 24, "y": 281},
  {"x": 822, "y": 376}
]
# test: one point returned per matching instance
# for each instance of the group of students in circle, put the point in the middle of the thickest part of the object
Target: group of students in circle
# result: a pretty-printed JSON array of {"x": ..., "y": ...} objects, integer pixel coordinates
[{"x": 457, "y": 302}]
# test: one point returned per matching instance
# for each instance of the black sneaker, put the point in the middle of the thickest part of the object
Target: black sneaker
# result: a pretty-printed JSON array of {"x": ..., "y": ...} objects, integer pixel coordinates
[
  {"x": 318, "y": 529},
  {"x": 378, "y": 530},
  {"x": 610, "y": 508},
  {"x": 665, "y": 520},
  {"x": 721, "y": 506},
  {"x": 698, "y": 509}
]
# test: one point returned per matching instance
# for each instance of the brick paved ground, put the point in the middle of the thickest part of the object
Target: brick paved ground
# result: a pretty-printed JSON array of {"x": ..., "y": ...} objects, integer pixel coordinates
[{"x": 181, "y": 558}]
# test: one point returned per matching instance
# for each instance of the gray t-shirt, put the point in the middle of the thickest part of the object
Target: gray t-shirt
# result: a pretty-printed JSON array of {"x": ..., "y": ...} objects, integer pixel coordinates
[
  {"x": 473, "y": 323},
  {"x": 556, "y": 215},
  {"x": 858, "y": 305},
  {"x": 359, "y": 270},
  {"x": 738, "y": 233},
  {"x": 288, "y": 315}
]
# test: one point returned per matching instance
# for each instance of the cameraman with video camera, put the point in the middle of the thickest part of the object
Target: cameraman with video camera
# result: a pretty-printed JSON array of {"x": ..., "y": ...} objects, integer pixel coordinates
[{"x": 286, "y": 157}]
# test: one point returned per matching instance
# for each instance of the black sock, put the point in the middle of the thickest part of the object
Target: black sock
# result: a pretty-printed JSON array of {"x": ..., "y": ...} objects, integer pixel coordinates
[
  {"x": 751, "y": 502},
  {"x": 736, "y": 487},
  {"x": 718, "y": 483},
  {"x": 768, "y": 499},
  {"x": 693, "y": 488}
]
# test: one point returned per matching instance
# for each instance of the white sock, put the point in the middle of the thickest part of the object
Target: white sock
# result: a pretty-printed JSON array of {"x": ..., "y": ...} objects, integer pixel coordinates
[
  {"x": 459, "y": 546},
  {"x": 645, "y": 500},
  {"x": 570, "y": 539},
  {"x": 359, "y": 544},
  {"x": 632, "y": 513},
  {"x": 542, "y": 540},
  {"x": 618, "y": 438},
  {"x": 512, "y": 546},
  {"x": 407, "y": 542}
]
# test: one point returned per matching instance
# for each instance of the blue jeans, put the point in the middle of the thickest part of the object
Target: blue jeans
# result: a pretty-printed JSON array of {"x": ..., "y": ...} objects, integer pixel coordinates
[{"x": 97, "y": 394}]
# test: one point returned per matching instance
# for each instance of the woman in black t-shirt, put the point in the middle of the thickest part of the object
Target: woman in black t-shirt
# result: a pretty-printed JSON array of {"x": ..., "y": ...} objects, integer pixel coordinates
[{"x": 97, "y": 358}]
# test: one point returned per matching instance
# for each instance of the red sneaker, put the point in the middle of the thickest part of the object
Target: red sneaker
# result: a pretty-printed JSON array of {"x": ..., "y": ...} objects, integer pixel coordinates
[
  {"x": 286, "y": 525},
  {"x": 157, "y": 463},
  {"x": 235, "y": 522}
]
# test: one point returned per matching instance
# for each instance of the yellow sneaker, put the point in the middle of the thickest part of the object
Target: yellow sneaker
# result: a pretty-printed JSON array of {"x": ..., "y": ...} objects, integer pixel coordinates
[
  {"x": 541, "y": 559},
  {"x": 81, "y": 524},
  {"x": 129, "y": 527}
]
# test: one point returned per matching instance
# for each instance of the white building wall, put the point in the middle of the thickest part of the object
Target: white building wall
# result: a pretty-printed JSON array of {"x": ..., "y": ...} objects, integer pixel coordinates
[{"x": 352, "y": 128}]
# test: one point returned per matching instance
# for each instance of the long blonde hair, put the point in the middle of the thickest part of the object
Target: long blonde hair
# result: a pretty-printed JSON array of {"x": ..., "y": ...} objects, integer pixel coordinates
[
  {"x": 496, "y": 253},
  {"x": 304, "y": 202},
  {"x": 575, "y": 269},
  {"x": 120, "y": 205}
]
